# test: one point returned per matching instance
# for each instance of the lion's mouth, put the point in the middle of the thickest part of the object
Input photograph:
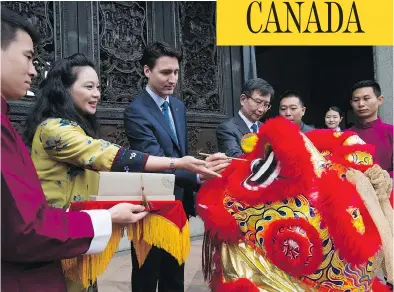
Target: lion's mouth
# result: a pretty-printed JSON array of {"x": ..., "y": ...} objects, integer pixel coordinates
[{"x": 264, "y": 172}]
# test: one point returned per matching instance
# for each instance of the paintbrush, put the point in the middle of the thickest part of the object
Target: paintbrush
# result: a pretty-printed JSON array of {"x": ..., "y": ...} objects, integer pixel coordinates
[{"x": 232, "y": 158}]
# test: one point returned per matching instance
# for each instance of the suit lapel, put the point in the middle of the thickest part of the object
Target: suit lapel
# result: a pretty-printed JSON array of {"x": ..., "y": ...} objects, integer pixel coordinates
[
  {"x": 178, "y": 115},
  {"x": 157, "y": 114},
  {"x": 242, "y": 127}
]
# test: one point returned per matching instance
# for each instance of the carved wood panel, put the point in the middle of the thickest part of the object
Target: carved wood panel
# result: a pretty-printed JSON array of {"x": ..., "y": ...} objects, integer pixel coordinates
[
  {"x": 201, "y": 65},
  {"x": 42, "y": 15},
  {"x": 123, "y": 33},
  {"x": 114, "y": 35},
  {"x": 201, "y": 73}
]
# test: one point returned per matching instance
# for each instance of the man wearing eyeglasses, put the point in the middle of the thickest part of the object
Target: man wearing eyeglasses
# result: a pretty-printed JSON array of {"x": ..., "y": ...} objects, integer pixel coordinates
[{"x": 255, "y": 99}]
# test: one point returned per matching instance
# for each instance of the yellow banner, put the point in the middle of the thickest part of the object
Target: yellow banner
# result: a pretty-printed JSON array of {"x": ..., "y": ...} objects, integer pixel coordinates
[{"x": 304, "y": 22}]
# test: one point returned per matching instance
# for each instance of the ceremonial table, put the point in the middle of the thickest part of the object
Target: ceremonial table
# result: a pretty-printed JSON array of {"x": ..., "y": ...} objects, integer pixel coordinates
[{"x": 165, "y": 227}]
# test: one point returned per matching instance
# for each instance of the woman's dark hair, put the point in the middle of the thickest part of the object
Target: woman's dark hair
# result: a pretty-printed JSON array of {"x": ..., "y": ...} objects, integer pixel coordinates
[
  {"x": 335, "y": 109},
  {"x": 55, "y": 101}
]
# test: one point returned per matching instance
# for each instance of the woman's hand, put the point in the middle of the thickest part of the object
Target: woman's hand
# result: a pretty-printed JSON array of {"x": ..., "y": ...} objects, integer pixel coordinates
[
  {"x": 210, "y": 168},
  {"x": 216, "y": 162},
  {"x": 125, "y": 213}
]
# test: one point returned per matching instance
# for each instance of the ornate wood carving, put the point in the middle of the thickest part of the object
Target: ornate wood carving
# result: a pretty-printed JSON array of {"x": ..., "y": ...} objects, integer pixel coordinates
[
  {"x": 118, "y": 33},
  {"x": 201, "y": 139},
  {"x": 116, "y": 134},
  {"x": 41, "y": 14},
  {"x": 201, "y": 67},
  {"x": 122, "y": 38},
  {"x": 201, "y": 74}
]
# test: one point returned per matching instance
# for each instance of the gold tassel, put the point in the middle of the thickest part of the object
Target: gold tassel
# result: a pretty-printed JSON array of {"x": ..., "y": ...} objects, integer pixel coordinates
[
  {"x": 87, "y": 268},
  {"x": 152, "y": 230},
  {"x": 141, "y": 247},
  {"x": 162, "y": 233}
]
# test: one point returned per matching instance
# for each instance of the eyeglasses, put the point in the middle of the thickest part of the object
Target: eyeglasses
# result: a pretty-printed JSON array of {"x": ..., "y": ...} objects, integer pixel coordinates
[{"x": 260, "y": 103}]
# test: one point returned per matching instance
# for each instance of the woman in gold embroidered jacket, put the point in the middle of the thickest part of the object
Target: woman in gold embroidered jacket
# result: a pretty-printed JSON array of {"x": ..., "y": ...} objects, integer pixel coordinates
[{"x": 65, "y": 148}]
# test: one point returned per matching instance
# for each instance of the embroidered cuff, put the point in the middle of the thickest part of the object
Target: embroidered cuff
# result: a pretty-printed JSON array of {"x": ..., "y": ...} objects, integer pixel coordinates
[{"x": 127, "y": 160}]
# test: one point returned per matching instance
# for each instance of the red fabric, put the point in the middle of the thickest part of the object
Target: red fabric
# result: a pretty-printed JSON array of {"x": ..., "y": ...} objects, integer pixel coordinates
[
  {"x": 323, "y": 141},
  {"x": 334, "y": 198},
  {"x": 378, "y": 286},
  {"x": 303, "y": 260},
  {"x": 172, "y": 210},
  {"x": 35, "y": 237},
  {"x": 216, "y": 219},
  {"x": 381, "y": 135},
  {"x": 241, "y": 284},
  {"x": 296, "y": 174}
]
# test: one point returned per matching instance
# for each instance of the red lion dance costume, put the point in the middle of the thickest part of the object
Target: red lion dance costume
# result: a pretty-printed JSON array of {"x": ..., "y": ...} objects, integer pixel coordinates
[{"x": 302, "y": 213}]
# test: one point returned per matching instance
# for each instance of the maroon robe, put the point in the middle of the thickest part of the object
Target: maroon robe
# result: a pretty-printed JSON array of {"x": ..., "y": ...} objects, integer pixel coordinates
[
  {"x": 381, "y": 135},
  {"x": 34, "y": 236}
]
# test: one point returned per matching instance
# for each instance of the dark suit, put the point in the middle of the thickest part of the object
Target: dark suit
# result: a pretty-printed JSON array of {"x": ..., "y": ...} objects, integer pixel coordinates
[
  {"x": 229, "y": 135},
  {"x": 306, "y": 128},
  {"x": 148, "y": 131}
]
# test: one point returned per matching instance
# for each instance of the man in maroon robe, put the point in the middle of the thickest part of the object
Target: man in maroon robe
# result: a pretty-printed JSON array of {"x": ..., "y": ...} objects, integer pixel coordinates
[
  {"x": 366, "y": 100},
  {"x": 34, "y": 236}
]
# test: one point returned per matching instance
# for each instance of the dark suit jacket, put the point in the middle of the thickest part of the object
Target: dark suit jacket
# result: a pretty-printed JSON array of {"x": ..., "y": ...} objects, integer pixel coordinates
[
  {"x": 229, "y": 135},
  {"x": 306, "y": 128},
  {"x": 148, "y": 131}
]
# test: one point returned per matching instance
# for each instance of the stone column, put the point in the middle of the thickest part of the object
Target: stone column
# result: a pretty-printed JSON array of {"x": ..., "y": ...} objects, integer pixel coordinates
[{"x": 383, "y": 59}]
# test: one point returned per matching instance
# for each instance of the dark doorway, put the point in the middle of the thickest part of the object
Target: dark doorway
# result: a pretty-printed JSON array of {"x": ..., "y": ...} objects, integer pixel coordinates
[{"x": 323, "y": 76}]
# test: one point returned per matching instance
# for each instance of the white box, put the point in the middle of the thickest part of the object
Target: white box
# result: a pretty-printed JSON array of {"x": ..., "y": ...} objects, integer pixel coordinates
[{"x": 128, "y": 184}]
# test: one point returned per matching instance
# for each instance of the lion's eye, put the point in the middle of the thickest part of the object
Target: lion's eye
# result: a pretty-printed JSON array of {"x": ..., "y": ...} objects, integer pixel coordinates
[{"x": 256, "y": 164}]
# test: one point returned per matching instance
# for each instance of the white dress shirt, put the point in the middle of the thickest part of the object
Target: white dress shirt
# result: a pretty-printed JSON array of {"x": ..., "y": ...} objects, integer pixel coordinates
[
  {"x": 248, "y": 122},
  {"x": 159, "y": 101}
]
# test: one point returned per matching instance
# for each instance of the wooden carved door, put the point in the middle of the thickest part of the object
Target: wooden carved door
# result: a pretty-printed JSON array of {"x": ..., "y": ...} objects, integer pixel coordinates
[{"x": 114, "y": 35}]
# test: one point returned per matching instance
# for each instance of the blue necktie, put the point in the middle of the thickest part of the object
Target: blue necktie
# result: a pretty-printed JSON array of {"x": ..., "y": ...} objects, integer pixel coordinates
[
  {"x": 254, "y": 128},
  {"x": 165, "y": 107}
]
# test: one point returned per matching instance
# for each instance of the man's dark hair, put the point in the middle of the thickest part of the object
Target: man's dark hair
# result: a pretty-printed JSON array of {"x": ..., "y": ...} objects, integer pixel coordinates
[
  {"x": 259, "y": 85},
  {"x": 292, "y": 93},
  {"x": 368, "y": 83},
  {"x": 10, "y": 23},
  {"x": 156, "y": 50}
]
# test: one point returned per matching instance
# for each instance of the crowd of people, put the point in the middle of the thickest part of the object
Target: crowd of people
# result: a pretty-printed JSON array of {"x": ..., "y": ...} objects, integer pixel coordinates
[
  {"x": 256, "y": 98},
  {"x": 38, "y": 186}
]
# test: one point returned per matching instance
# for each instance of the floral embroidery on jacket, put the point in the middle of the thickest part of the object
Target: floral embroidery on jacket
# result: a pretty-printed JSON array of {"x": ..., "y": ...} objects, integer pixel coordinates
[
  {"x": 67, "y": 123},
  {"x": 64, "y": 157},
  {"x": 78, "y": 198},
  {"x": 73, "y": 171},
  {"x": 55, "y": 143}
]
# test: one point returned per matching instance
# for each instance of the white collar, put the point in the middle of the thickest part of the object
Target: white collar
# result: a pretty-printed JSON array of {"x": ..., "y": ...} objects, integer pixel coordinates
[
  {"x": 248, "y": 122},
  {"x": 158, "y": 100}
]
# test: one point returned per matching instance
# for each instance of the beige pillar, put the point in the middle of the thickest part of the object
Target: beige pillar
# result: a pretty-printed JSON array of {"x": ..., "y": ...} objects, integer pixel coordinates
[{"x": 383, "y": 58}]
